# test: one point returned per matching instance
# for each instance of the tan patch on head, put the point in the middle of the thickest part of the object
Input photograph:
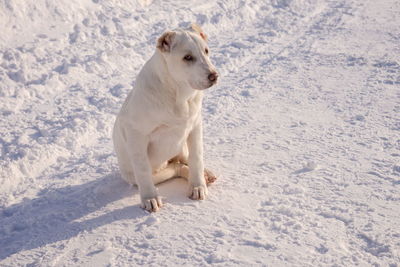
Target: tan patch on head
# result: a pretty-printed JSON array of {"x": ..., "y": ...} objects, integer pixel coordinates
[
  {"x": 164, "y": 43},
  {"x": 199, "y": 30}
]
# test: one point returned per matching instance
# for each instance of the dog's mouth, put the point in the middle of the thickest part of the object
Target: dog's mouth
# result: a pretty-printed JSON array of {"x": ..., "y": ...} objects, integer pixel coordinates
[
  {"x": 210, "y": 84},
  {"x": 203, "y": 86}
]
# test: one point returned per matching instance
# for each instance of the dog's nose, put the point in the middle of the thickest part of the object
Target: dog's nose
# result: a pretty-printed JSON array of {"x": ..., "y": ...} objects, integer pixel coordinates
[{"x": 213, "y": 76}]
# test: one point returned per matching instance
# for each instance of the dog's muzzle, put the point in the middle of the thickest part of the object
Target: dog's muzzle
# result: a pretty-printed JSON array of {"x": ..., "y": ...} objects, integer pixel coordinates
[{"x": 213, "y": 77}]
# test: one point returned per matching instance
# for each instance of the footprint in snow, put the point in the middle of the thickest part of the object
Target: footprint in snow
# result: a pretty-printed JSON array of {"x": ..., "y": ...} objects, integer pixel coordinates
[{"x": 308, "y": 167}]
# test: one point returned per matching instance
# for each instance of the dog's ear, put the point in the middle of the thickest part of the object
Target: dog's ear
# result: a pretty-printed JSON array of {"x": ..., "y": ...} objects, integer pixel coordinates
[
  {"x": 164, "y": 43},
  {"x": 200, "y": 31}
]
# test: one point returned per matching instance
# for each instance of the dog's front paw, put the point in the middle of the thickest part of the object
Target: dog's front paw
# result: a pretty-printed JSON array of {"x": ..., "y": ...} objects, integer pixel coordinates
[
  {"x": 198, "y": 192},
  {"x": 152, "y": 204}
]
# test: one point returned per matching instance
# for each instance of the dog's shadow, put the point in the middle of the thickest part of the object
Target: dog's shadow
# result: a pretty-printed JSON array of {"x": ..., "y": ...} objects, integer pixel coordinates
[{"x": 56, "y": 214}]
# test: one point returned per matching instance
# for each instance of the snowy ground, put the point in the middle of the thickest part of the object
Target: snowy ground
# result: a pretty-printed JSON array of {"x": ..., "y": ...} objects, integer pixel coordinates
[{"x": 303, "y": 130}]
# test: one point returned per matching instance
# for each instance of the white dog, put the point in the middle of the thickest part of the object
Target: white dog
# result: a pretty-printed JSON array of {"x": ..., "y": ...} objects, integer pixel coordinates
[{"x": 158, "y": 132}]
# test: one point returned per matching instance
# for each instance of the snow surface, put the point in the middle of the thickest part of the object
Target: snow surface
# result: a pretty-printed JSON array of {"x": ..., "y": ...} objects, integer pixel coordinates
[{"x": 303, "y": 130}]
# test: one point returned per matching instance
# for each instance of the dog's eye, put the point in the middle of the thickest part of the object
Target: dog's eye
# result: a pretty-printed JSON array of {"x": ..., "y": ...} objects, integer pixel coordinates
[
  {"x": 206, "y": 51},
  {"x": 188, "y": 58}
]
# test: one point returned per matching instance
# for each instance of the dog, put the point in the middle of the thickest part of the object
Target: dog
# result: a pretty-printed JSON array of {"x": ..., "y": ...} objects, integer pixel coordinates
[{"x": 158, "y": 132}]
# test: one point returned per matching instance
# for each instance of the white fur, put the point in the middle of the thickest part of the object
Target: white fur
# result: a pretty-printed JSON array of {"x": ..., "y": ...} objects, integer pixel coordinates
[{"x": 161, "y": 118}]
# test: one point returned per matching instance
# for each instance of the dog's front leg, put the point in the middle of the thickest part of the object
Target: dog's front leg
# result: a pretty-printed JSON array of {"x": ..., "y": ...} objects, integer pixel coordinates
[
  {"x": 138, "y": 149},
  {"x": 197, "y": 184}
]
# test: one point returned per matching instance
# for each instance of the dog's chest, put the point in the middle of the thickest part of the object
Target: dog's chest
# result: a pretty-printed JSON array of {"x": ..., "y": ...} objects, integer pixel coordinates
[{"x": 174, "y": 130}]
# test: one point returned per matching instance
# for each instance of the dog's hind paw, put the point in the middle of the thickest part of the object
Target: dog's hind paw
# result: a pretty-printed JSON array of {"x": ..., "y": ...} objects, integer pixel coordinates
[{"x": 209, "y": 177}]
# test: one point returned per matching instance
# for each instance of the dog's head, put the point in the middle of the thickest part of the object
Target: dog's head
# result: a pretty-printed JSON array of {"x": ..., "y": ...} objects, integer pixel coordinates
[{"x": 186, "y": 54}]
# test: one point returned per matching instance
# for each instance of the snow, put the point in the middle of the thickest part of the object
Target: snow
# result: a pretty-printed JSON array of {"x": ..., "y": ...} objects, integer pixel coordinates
[{"x": 303, "y": 131}]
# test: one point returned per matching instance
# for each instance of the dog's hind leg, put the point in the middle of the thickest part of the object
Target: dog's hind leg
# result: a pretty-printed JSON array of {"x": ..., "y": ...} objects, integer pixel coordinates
[
  {"x": 177, "y": 169},
  {"x": 172, "y": 170}
]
